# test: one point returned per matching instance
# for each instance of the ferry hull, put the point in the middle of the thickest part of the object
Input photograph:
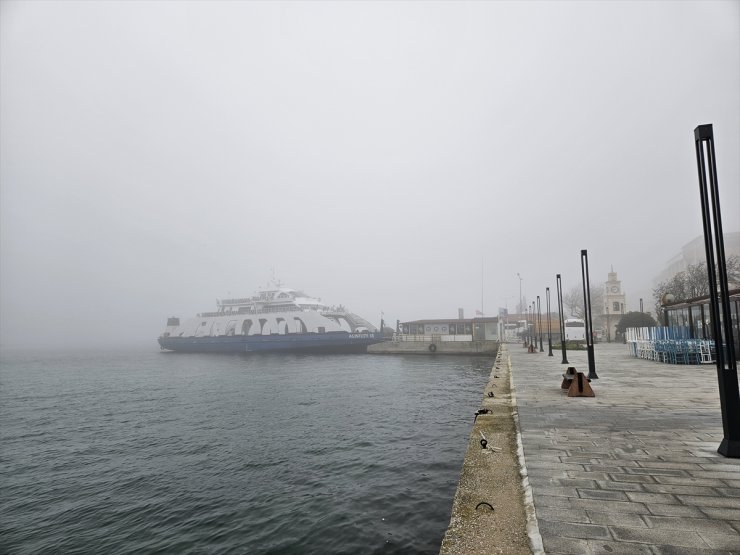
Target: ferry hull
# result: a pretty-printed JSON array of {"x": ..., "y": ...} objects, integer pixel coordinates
[{"x": 330, "y": 342}]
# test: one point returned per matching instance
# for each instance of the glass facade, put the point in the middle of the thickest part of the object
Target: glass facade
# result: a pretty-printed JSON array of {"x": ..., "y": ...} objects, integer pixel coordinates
[{"x": 697, "y": 317}]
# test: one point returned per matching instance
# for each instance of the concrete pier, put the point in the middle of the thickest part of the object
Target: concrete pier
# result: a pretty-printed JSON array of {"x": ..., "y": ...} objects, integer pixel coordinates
[
  {"x": 489, "y": 514},
  {"x": 482, "y": 348},
  {"x": 633, "y": 470}
]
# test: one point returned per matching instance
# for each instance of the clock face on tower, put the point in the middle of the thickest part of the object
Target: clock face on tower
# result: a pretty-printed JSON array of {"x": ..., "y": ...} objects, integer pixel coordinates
[{"x": 615, "y": 289}]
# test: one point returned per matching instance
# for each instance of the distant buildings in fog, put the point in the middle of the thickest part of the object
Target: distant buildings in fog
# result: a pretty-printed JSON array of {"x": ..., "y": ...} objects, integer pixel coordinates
[{"x": 693, "y": 253}]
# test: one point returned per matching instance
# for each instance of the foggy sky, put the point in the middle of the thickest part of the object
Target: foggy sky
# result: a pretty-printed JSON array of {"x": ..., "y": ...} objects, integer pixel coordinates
[{"x": 408, "y": 158}]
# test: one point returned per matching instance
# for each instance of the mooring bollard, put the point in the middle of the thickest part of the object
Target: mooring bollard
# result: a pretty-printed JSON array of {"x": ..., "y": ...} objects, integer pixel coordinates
[{"x": 580, "y": 386}]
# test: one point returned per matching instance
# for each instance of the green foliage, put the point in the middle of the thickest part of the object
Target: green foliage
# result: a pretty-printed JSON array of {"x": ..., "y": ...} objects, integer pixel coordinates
[{"x": 635, "y": 320}]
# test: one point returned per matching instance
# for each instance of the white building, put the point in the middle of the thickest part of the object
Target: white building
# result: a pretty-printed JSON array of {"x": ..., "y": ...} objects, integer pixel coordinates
[{"x": 693, "y": 253}]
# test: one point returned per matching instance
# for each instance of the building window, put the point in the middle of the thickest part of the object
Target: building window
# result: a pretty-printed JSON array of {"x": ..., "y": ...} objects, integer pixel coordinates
[{"x": 615, "y": 306}]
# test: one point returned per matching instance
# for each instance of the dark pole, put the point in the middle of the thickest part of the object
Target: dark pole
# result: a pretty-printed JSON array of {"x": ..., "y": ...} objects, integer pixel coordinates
[
  {"x": 624, "y": 330},
  {"x": 549, "y": 323},
  {"x": 560, "y": 313},
  {"x": 539, "y": 322},
  {"x": 533, "y": 342},
  {"x": 589, "y": 323},
  {"x": 719, "y": 305},
  {"x": 641, "y": 305}
]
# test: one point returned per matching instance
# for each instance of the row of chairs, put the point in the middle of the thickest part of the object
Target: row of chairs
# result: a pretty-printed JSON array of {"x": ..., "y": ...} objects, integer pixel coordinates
[{"x": 674, "y": 351}]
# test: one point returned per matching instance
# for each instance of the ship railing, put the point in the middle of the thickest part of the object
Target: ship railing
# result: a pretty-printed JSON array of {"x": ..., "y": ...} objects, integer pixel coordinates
[{"x": 250, "y": 311}]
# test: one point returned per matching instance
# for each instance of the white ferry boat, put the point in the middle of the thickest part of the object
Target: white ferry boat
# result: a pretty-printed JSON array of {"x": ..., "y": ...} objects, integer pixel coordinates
[{"x": 276, "y": 319}]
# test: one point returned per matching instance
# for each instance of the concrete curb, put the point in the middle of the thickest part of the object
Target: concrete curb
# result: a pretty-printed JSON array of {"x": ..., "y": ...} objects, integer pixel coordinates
[{"x": 533, "y": 529}]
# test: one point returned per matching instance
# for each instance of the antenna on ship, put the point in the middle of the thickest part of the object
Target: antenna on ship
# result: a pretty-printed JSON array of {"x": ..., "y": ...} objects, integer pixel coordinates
[{"x": 275, "y": 280}]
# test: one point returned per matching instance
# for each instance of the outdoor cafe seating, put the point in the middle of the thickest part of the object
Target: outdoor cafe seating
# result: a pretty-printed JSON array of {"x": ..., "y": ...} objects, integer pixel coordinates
[{"x": 669, "y": 345}]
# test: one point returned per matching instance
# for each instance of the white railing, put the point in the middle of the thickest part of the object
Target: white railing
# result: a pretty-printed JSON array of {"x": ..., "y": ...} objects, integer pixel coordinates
[{"x": 399, "y": 337}]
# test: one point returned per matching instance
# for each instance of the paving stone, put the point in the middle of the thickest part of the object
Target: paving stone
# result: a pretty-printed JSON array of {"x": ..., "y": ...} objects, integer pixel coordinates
[
  {"x": 576, "y": 483},
  {"x": 685, "y": 490},
  {"x": 722, "y": 513},
  {"x": 662, "y": 464},
  {"x": 683, "y": 481},
  {"x": 655, "y": 536},
  {"x": 552, "y": 501},
  {"x": 723, "y": 467},
  {"x": 641, "y": 478},
  {"x": 583, "y": 475},
  {"x": 676, "y": 550},
  {"x": 603, "y": 468},
  {"x": 712, "y": 474},
  {"x": 618, "y": 548},
  {"x": 651, "y": 497},
  {"x": 729, "y": 492},
  {"x": 722, "y": 541},
  {"x": 555, "y": 490},
  {"x": 569, "y": 546},
  {"x": 658, "y": 471},
  {"x": 573, "y": 530},
  {"x": 602, "y": 494},
  {"x": 674, "y": 510},
  {"x": 617, "y": 519},
  {"x": 608, "y": 507},
  {"x": 695, "y": 524},
  {"x": 707, "y": 501},
  {"x": 563, "y": 514},
  {"x": 621, "y": 486}
]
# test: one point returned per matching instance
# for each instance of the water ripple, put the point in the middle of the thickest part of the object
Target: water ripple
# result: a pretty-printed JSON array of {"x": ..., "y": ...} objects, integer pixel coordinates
[{"x": 144, "y": 453}]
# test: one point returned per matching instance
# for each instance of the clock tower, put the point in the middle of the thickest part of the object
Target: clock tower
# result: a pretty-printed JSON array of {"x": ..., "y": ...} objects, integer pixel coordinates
[{"x": 614, "y": 304}]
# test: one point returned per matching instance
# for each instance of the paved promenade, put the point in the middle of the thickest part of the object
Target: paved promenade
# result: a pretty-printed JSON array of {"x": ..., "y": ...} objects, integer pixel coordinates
[{"x": 634, "y": 469}]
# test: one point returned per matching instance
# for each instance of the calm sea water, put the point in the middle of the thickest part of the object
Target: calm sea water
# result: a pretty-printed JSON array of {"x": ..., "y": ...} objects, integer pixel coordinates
[{"x": 160, "y": 452}]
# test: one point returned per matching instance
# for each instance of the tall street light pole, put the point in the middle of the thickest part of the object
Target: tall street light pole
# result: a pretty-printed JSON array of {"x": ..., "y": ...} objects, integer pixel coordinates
[
  {"x": 560, "y": 313},
  {"x": 549, "y": 323},
  {"x": 719, "y": 301},
  {"x": 589, "y": 321},
  {"x": 539, "y": 322}
]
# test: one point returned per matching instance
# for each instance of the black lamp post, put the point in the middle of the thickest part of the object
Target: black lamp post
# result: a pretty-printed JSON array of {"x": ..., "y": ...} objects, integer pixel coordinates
[
  {"x": 589, "y": 322},
  {"x": 533, "y": 342},
  {"x": 560, "y": 314},
  {"x": 719, "y": 303},
  {"x": 641, "y": 305},
  {"x": 539, "y": 322},
  {"x": 549, "y": 323}
]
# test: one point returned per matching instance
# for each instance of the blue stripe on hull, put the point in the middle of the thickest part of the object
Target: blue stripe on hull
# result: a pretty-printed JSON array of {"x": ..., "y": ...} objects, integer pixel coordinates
[{"x": 332, "y": 342}]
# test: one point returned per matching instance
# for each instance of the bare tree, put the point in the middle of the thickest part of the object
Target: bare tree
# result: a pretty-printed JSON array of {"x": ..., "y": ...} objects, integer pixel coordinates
[
  {"x": 693, "y": 282},
  {"x": 573, "y": 301}
]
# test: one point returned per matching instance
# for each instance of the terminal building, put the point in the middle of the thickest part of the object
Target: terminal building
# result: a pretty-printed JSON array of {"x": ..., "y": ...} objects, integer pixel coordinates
[{"x": 461, "y": 329}]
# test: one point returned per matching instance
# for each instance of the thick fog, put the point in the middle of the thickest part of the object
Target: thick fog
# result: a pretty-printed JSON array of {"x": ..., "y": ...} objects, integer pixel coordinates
[{"x": 404, "y": 158}]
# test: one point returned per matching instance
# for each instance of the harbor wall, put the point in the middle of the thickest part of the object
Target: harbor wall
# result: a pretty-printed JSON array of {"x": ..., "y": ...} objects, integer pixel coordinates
[
  {"x": 489, "y": 513},
  {"x": 482, "y": 348}
]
